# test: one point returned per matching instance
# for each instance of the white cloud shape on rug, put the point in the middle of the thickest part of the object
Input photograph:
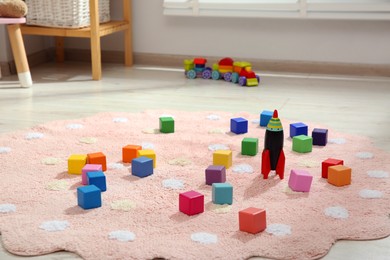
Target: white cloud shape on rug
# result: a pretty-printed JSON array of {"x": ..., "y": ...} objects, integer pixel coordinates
[
  {"x": 6, "y": 208},
  {"x": 256, "y": 121},
  {"x": 34, "y": 135},
  {"x": 337, "y": 212},
  {"x": 215, "y": 147},
  {"x": 278, "y": 229},
  {"x": 173, "y": 184},
  {"x": 378, "y": 174},
  {"x": 120, "y": 120},
  {"x": 242, "y": 168},
  {"x": 5, "y": 150},
  {"x": 370, "y": 194},
  {"x": 204, "y": 238},
  {"x": 365, "y": 155},
  {"x": 146, "y": 145},
  {"x": 115, "y": 166},
  {"x": 54, "y": 225},
  {"x": 337, "y": 141},
  {"x": 74, "y": 126},
  {"x": 122, "y": 235},
  {"x": 213, "y": 117}
]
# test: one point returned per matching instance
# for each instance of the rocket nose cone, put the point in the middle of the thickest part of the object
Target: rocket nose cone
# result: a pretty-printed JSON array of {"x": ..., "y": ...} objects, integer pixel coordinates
[{"x": 275, "y": 114}]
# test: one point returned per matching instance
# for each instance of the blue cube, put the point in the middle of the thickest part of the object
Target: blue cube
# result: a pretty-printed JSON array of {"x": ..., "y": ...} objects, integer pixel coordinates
[
  {"x": 142, "y": 167},
  {"x": 89, "y": 197},
  {"x": 239, "y": 125},
  {"x": 265, "y": 116},
  {"x": 320, "y": 136},
  {"x": 298, "y": 129},
  {"x": 222, "y": 193},
  {"x": 98, "y": 179}
]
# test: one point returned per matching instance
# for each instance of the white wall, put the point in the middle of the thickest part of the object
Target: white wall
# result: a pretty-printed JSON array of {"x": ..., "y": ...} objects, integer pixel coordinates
[{"x": 271, "y": 39}]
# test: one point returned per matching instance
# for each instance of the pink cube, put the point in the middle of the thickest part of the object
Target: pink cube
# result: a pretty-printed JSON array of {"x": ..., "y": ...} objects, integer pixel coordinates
[
  {"x": 89, "y": 168},
  {"x": 191, "y": 202},
  {"x": 300, "y": 180}
]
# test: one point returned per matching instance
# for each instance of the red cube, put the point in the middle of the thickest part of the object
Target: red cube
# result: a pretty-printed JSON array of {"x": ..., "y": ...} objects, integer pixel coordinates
[
  {"x": 252, "y": 220},
  {"x": 191, "y": 202},
  {"x": 327, "y": 163}
]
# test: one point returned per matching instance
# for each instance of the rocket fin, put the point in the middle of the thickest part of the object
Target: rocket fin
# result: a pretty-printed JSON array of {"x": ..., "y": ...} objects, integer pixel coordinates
[
  {"x": 265, "y": 164},
  {"x": 280, "y": 166}
]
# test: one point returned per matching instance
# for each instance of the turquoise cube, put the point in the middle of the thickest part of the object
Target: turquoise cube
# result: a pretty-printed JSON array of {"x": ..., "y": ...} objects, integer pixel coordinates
[
  {"x": 302, "y": 144},
  {"x": 249, "y": 146},
  {"x": 167, "y": 125},
  {"x": 222, "y": 193}
]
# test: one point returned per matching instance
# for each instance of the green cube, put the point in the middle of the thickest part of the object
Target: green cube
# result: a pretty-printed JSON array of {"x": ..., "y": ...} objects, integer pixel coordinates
[
  {"x": 167, "y": 125},
  {"x": 249, "y": 146},
  {"x": 302, "y": 144}
]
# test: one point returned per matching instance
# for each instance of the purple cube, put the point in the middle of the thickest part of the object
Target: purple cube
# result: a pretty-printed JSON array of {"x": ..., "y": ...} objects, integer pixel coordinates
[
  {"x": 300, "y": 180},
  {"x": 215, "y": 174},
  {"x": 298, "y": 129},
  {"x": 320, "y": 136}
]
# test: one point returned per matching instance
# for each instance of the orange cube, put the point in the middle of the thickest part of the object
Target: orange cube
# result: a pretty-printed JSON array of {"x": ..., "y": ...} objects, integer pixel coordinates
[
  {"x": 339, "y": 175},
  {"x": 252, "y": 220},
  {"x": 129, "y": 152},
  {"x": 97, "y": 158}
]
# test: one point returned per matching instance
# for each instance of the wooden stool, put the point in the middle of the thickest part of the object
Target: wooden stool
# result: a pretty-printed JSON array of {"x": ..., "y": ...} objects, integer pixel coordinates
[{"x": 18, "y": 50}]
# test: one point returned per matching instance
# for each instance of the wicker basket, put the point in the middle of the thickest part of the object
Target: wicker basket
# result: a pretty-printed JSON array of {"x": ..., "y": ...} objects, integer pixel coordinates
[{"x": 64, "y": 13}]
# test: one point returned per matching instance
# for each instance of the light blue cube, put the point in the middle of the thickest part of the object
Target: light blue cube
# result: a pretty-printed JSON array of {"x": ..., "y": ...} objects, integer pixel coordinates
[
  {"x": 98, "y": 179},
  {"x": 265, "y": 116},
  {"x": 222, "y": 193}
]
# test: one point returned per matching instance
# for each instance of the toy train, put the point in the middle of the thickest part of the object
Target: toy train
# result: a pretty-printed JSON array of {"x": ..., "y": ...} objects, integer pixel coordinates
[{"x": 237, "y": 72}]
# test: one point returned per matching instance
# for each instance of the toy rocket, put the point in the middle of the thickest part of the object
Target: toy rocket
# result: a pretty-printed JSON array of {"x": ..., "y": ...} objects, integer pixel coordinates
[{"x": 273, "y": 156}]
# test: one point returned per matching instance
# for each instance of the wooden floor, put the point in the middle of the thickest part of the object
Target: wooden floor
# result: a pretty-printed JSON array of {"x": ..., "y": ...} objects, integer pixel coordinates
[{"x": 358, "y": 105}]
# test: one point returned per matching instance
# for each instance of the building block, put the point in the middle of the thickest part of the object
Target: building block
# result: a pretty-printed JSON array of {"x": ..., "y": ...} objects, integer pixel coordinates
[
  {"x": 76, "y": 162},
  {"x": 339, "y": 175},
  {"x": 223, "y": 157},
  {"x": 167, "y": 125},
  {"x": 215, "y": 174},
  {"x": 89, "y": 197},
  {"x": 148, "y": 153},
  {"x": 320, "y": 136},
  {"x": 98, "y": 179},
  {"x": 300, "y": 180},
  {"x": 239, "y": 125},
  {"x": 98, "y": 158},
  {"x": 327, "y": 163},
  {"x": 129, "y": 152},
  {"x": 222, "y": 193},
  {"x": 89, "y": 168},
  {"x": 252, "y": 220},
  {"x": 265, "y": 116},
  {"x": 298, "y": 129},
  {"x": 302, "y": 144},
  {"x": 249, "y": 146},
  {"x": 191, "y": 202},
  {"x": 142, "y": 167}
]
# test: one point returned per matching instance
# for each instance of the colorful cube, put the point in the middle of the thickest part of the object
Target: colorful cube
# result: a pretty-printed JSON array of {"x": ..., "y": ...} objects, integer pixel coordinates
[
  {"x": 191, "y": 202},
  {"x": 222, "y": 193},
  {"x": 167, "y": 125},
  {"x": 76, "y": 162},
  {"x": 98, "y": 158},
  {"x": 300, "y": 180},
  {"x": 327, "y": 163},
  {"x": 265, "y": 116},
  {"x": 339, "y": 175},
  {"x": 98, "y": 179},
  {"x": 148, "y": 153},
  {"x": 129, "y": 152},
  {"x": 302, "y": 144},
  {"x": 252, "y": 220},
  {"x": 89, "y": 197},
  {"x": 298, "y": 129},
  {"x": 142, "y": 167},
  {"x": 89, "y": 168},
  {"x": 320, "y": 136},
  {"x": 223, "y": 157},
  {"x": 239, "y": 125},
  {"x": 215, "y": 174},
  {"x": 249, "y": 146}
]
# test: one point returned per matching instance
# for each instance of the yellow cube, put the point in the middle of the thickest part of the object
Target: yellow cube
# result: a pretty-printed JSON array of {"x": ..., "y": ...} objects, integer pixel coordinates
[
  {"x": 148, "y": 153},
  {"x": 222, "y": 157},
  {"x": 76, "y": 162}
]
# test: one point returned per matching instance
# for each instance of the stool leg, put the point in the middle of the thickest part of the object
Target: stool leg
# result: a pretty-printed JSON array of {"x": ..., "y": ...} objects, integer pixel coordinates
[
  {"x": 19, "y": 53},
  {"x": 127, "y": 16}
]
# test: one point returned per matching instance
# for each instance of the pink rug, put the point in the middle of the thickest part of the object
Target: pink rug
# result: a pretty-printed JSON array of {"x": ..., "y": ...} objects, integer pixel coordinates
[{"x": 139, "y": 218}]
